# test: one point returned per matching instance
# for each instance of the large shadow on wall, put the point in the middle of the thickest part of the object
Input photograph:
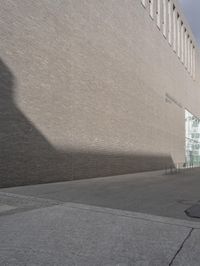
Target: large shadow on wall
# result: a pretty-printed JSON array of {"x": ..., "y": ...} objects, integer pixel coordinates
[{"x": 26, "y": 157}]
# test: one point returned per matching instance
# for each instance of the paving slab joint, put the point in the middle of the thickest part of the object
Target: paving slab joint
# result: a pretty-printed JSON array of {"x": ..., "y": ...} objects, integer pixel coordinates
[{"x": 181, "y": 247}]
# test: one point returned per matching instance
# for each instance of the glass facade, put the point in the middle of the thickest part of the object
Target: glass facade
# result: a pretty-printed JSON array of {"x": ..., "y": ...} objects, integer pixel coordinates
[{"x": 192, "y": 139}]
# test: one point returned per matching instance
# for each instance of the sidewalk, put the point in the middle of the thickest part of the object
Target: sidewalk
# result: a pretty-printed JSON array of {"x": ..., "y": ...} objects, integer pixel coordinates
[
  {"x": 75, "y": 234},
  {"x": 150, "y": 192},
  {"x": 45, "y": 224}
]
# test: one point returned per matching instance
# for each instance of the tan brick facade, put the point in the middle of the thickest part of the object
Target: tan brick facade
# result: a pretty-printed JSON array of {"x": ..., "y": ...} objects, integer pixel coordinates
[{"x": 89, "y": 88}]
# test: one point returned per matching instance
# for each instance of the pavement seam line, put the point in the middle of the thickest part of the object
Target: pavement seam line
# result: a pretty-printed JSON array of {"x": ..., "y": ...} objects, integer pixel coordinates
[
  {"x": 181, "y": 247},
  {"x": 110, "y": 211},
  {"x": 97, "y": 209},
  {"x": 25, "y": 197},
  {"x": 24, "y": 203}
]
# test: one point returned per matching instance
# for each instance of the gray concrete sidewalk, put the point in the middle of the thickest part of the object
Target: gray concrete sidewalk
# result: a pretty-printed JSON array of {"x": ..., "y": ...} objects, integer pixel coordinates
[
  {"x": 50, "y": 233},
  {"x": 150, "y": 192},
  {"x": 123, "y": 220}
]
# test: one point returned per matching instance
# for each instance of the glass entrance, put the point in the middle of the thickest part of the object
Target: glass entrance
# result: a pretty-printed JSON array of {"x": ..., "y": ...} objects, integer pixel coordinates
[{"x": 192, "y": 140}]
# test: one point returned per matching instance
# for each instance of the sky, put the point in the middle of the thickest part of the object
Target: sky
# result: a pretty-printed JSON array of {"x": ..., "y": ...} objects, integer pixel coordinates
[{"x": 191, "y": 10}]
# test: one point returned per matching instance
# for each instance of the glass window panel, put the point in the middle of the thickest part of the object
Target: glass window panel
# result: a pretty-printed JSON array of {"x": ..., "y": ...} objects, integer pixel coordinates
[
  {"x": 174, "y": 28},
  {"x": 164, "y": 18},
  {"x": 143, "y": 2},
  {"x": 158, "y": 9},
  {"x": 178, "y": 35},
  {"x": 192, "y": 140},
  {"x": 151, "y": 7},
  {"x": 169, "y": 22}
]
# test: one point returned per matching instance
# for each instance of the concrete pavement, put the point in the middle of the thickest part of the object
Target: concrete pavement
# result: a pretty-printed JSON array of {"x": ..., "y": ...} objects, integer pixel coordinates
[
  {"x": 75, "y": 234},
  {"x": 124, "y": 220},
  {"x": 151, "y": 192}
]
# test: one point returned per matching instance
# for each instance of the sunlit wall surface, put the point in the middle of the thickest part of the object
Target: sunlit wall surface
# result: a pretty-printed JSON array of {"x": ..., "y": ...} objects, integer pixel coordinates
[
  {"x": 192, "y": 127},
  {"x": 92, "y": 88}
]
